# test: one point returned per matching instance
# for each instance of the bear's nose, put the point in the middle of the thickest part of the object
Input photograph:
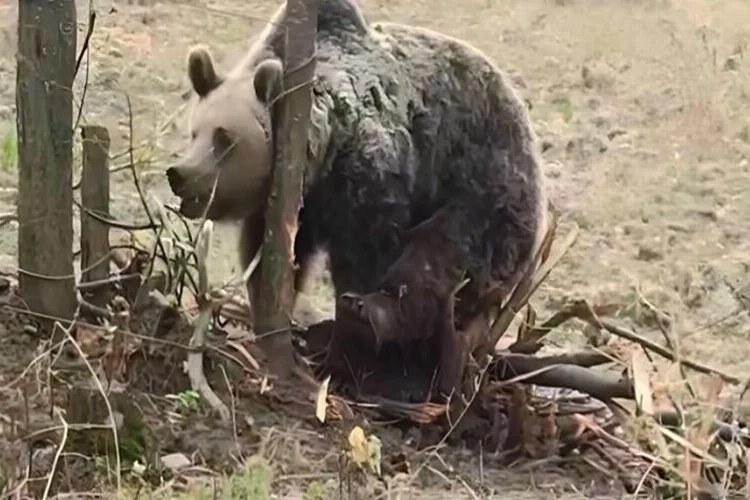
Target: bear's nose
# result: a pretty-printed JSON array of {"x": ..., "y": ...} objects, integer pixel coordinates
[{"x": 175, "y": 179}]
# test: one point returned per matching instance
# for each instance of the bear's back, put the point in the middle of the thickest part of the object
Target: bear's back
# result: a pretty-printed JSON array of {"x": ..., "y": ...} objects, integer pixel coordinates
[{"x": 452, "y": 115}]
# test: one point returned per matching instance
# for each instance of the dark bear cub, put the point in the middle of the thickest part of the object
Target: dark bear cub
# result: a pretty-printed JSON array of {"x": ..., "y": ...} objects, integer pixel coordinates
[{"x": 426, "y": 300}]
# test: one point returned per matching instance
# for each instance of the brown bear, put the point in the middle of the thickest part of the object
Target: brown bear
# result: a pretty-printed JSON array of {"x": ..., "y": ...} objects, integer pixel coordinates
[{"x": 422, "y": 166}]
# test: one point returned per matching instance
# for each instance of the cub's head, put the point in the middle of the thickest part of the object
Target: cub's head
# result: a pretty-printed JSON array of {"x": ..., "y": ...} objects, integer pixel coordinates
[{"x": 230, "y": 139}]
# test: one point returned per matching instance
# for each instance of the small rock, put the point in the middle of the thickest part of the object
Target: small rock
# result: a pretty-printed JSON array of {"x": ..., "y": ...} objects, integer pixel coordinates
[
  {"x": 119, "y": 419},
  {"x": 678, "y": 228},
  {"x": 708, "y": 213},
  {"x": 598, "y": 75},
  {"x": 601, "y": 121},
  {"x": 553, "y": 171},
  {"x": 175, "y": 461},
  {"x": 649, "y": 254},
  {"x": 138, "y": 468},
  {"x": 731, "y": 64},
  {"x": 593, "y": 103},
  {"x": 250, "y": 421},
  {"x": 108, "y": 79},
  {"x": 582, "y": 148}
]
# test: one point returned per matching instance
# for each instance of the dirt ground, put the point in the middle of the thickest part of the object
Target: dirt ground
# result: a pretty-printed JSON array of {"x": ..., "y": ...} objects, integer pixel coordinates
[{"x": 641, "y": 107}]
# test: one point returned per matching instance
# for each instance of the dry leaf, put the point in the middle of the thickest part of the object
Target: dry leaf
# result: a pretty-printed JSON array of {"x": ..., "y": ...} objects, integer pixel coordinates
[
  {"x": 639, "y": 368},
  {"x": 142, "y": 239},
  {"x": 358, "y": 443},
  {"x": 321, "y": 404},
  {"x": 90, "y": 341},
  {"x": 245, "y": 353},
  {"x": 265, "y": 385},
  {"x": 365, "y": 451}
]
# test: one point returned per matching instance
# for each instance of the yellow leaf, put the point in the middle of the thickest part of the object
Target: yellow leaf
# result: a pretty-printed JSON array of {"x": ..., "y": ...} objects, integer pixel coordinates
[
  {"x": 359, "y": 452},
  {"x": 365, "y": 451},
  {"x": 321, "y": 404},
  {"x": 142, "y": 239}
]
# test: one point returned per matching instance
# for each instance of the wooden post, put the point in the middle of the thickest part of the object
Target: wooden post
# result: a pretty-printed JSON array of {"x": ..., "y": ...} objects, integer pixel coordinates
[
  {"x": 44, "y": 101},
  {"x": 95, "y": 198},
  {"x": 292, "y": 118}
]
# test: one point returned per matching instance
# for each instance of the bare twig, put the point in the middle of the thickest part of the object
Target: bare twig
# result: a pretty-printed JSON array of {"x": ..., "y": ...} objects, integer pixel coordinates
[
  {"x": 126, "y": 226},
  {"x": 584, "y": 359},
  {"x": 137, "y": 183},
  {"x": 585, "y": 312},
  {"x": 531, "y": 342},
  {"x": 195, "y": 358},
  {"x": 58, "y": 452},
  {"x": 85, "y": 51}
]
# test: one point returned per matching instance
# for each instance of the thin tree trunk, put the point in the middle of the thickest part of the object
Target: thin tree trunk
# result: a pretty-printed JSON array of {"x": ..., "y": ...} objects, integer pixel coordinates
[
  {"x": 274, "y": 306},
  {"x": 44, "y": 102}
]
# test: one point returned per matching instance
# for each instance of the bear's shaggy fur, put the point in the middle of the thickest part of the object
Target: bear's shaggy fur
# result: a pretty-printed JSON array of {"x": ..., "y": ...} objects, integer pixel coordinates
[{"x": 422, "y": 166}]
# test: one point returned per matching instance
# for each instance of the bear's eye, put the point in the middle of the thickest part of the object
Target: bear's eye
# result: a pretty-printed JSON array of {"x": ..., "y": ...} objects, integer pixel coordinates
[{"x": 222, "y": 141}]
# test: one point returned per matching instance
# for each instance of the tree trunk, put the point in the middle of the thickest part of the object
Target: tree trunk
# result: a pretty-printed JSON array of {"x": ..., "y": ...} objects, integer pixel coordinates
[
  {"x": 44, "y": 101},
  {"x": 292, "y": 118}
]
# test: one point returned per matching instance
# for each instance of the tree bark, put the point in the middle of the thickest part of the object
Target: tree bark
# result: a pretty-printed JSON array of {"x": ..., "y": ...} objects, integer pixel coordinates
[
  {"x": 292, "y": 118},
  {"x": 44, "y": 101}
]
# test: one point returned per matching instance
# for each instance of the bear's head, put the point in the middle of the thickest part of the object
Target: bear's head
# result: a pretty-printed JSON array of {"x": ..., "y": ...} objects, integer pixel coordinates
[{"x": 230, "y": 139}]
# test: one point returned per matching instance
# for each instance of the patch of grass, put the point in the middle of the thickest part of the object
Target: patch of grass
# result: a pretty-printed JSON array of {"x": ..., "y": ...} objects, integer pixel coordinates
[
  {"x": 185, "y": 402},
  {"x": 251, "y": 482},
  {"x": 9, "y": 151},
  {"x": 316, "y": 490},
  {"x": 564, "y": 106},
  {"x": 745, "y": 134}
]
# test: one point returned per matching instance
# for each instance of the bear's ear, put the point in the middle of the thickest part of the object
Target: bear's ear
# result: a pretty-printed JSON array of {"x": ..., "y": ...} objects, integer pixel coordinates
[
  {"x": 269, "y": 80},
  {"x": 201, "y": 71}
]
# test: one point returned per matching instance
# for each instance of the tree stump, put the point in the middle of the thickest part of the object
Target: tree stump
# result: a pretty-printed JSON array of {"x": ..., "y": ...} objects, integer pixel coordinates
[
  {"x": 86, "y": 405},
  {"x": 95, "y": 199}
]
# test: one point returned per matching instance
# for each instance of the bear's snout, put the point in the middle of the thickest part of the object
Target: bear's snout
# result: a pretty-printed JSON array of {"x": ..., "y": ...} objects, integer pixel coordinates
[{"x": 176, "y": 179}]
